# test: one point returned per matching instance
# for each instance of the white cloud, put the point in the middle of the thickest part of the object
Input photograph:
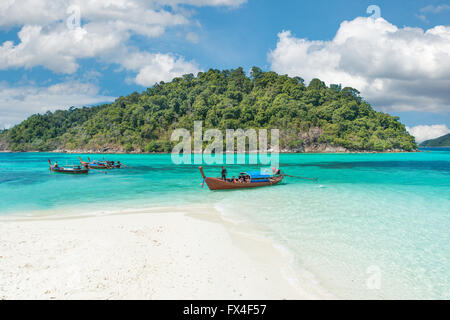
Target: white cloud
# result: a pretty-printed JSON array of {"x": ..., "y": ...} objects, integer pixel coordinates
[
  {"x": 435, "y": 9},
  {"x": 46, "y": 40},
  {"x": 230, "y": 3},
  {"x": 33, "y": 12},
  {"x": 422, "y": 17},
  {"x": 57, "y": 50},
  {"x": 16, "y": 103},
  {"x": 192, "y": 37},
  {"x": 153, "y": 68},
  {"x": 49, "y": 36},
  {"x": 424, "y": 132},
  {"x": 401, "y": 69},
  {"x": 139, "y": 13}
]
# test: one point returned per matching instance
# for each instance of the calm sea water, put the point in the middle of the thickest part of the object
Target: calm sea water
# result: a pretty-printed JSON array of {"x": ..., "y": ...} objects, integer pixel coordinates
[{"x": 374, "y": 226}]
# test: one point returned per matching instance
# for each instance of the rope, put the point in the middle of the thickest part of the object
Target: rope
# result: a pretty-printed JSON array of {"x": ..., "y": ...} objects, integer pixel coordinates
[{"x": 305, "y": 178}]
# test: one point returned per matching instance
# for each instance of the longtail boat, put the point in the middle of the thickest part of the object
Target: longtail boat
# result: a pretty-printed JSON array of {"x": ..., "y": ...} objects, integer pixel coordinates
[
  {"x": 100, "y": 164},
  {"x": 248, "y": 180},
  {"x": 94, "y": 164},
  {"x": 68, "y": 169}
]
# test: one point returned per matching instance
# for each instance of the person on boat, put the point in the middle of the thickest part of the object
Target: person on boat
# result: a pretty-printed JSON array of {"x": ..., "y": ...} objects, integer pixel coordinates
[
  {"x": 56, "y": 165},
  {"x": 276, "y": 171},
  {"x": 224, "y": 173}
]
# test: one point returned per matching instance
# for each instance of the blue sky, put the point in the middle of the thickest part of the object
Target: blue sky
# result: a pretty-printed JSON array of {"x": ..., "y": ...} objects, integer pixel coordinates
[{"x": 129, "y": 45}]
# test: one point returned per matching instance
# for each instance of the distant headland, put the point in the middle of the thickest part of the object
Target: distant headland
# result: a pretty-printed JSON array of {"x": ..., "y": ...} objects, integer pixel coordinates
[{"x": 443, "y": 141}]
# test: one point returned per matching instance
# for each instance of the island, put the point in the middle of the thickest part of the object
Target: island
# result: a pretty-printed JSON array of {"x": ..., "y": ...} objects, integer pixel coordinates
[
  {"x": 311, "y": 118},
  {"x": 443, "y": 141}
]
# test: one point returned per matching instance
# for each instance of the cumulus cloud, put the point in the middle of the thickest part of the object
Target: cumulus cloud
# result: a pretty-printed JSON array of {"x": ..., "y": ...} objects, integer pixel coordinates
[
  {"x": 58, "y": 50},
  {"x": 139, "y": 14},
  {"x": 57, "y": 34},
  {"x": 16, "y": 103},
  {"x": 153, "y": 68},
  {"x": 396, "y": 69},
  {"x": 424, "y": 132},
  {"x": 49, "y": 35},
  {"x": 231, "y": 3},
  {"x": 164, "y": 68},
  {"x": 136, "y": 16}
]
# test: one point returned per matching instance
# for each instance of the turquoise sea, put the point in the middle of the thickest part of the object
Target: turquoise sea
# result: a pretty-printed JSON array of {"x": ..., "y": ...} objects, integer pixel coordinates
[{"x": 373, "y": 226}]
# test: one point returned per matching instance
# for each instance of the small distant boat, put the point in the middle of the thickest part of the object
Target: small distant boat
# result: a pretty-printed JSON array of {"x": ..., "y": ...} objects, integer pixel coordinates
[
  {"x": 68, "y": 169},
  {"x": 249, "y": 180},
  {"x": 93, "y": 164},
  {"x": 100, "y": 164}
]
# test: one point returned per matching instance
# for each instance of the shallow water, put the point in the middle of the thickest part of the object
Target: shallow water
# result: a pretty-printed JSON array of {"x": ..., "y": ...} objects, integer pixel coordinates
[{"x": 374, "y": 226}]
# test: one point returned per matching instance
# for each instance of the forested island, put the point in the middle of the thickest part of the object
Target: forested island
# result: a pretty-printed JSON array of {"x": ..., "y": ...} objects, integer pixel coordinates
[
  {"x": 311, "y": 118},
  {"x": 443, "y": 141}
]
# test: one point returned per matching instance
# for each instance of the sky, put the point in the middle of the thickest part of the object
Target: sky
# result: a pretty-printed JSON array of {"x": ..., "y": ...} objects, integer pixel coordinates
[{"x": 63, "y": 53}]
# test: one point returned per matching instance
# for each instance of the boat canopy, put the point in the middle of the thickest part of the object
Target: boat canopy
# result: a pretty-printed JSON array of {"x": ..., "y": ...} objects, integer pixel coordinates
[{"x": 256, "y": 175}]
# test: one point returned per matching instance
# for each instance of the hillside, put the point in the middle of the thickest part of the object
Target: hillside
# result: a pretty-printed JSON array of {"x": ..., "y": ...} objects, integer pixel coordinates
[
  {"x": 310, "y": 117},
  {"x": 443, "y": 141}
]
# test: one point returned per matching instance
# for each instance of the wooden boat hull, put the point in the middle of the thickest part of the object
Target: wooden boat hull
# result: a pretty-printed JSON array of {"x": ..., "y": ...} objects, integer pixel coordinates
[
  {"x": 219, "y": 184},
  {"x": 60, "y": 170},
  {"x": 68, "y": 170}
]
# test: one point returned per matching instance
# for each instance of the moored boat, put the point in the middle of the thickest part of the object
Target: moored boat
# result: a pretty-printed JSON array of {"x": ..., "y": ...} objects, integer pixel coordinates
[
  {"x": 68, "y": 169},
  {"x": 100, "y": 164},
  {"x": 94, "y": 164},
  {"x": 246, "y": 180}
]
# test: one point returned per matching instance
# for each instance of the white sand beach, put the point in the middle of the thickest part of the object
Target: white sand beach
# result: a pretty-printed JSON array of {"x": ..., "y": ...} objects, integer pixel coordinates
[{"x": 149, "y": 254}]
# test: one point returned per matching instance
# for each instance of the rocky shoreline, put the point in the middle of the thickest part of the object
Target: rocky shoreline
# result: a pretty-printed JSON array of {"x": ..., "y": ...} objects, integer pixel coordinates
[
  {"x": 320, "y": 148},
  {"x": 310, "y": 143}
]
